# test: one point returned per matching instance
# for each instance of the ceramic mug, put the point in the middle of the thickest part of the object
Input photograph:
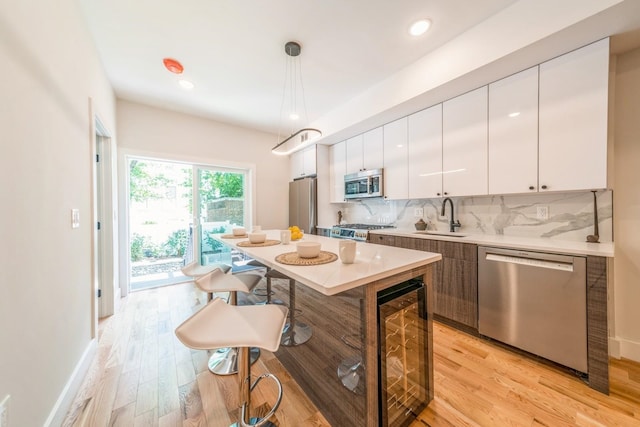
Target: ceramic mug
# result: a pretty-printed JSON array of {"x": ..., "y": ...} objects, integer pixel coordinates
[
  {"x": 347, "y": 251},
  {"x": 285, "y": 237}
]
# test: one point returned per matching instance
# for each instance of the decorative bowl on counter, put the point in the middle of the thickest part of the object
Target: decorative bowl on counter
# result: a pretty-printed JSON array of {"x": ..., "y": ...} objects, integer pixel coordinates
[
  {"x": 257, "y": 237},
  {"x": 308, "y": 249},
  {"x": 239, "y": 231}
]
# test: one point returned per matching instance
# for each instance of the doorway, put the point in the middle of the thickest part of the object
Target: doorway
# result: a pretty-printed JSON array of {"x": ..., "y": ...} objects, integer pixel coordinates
[{"x": 173, "y": 210}]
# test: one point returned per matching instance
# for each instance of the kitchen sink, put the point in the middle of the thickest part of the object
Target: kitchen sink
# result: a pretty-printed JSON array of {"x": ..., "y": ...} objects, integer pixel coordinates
[{"x": 441, "y": 233}]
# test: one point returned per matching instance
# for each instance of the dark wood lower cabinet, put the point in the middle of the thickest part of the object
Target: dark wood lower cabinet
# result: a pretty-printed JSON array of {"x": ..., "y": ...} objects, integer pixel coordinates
[
  {"x": 455, "y": 278},
  {"x": 455, "y": 296}
]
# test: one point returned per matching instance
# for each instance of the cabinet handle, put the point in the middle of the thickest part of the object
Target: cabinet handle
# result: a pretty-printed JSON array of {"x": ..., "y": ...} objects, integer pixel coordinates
[
  {"x": 446, "y": 194},
  {"x": 544, "y": 187},
  {"x": 531, "y": 187},
  {"x": 438, "y": 194}
]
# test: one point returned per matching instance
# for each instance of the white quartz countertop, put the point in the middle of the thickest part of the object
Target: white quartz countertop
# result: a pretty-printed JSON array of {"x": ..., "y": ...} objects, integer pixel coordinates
[
  {"x": 540, "y": 244},
  {"x": 373, "y": 262}
]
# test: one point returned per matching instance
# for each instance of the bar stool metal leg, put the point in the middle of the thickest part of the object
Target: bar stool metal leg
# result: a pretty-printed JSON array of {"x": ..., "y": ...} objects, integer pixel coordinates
[
  {"x": 295, "y": 332},
  {"x": 246, "y": 420},
  {"x": 224, "y": 361}
]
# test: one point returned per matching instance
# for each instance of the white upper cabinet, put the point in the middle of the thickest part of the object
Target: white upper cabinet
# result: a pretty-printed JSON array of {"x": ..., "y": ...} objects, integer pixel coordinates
[
  {"x": 354, "y": 154},
  {"x": 513, "y": 133},
  {"x": 364, "y": 151},
  {"x": 464, "y": 144},
  {"x": 425, "y": 153},
  {"x": 303, "y": 163},
  {"x": 373, "y": 149},
  {"x": 337, "y": 171},
  {"x": 396, "y": 177},
  {"x": 573, "y": 119}
]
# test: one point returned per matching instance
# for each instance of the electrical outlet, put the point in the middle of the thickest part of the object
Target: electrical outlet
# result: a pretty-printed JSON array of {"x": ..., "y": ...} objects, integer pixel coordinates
[
  {"x": 4, "y": 416},
  {"x": 418, "y": 212},
  {"x": 542, "y": 212}
]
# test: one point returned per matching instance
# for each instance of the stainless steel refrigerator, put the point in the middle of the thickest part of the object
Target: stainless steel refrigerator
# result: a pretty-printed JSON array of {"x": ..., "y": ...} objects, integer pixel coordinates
[{"x": 302, "y": 204}]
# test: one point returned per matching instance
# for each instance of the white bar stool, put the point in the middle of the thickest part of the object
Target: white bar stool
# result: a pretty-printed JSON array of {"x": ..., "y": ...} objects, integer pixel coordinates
[
  {"x": 222, "y": 325},
  {"x": 195, "y": 269},
  {"x": 224, "y": 361}
]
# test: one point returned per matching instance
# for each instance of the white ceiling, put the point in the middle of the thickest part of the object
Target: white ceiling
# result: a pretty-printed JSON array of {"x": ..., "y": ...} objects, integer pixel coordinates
[{"x": 233, "y": 51}]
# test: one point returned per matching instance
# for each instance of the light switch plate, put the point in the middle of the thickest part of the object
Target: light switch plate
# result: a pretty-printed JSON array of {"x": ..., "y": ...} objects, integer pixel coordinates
[
  {"x": 542, "y": 212},
  {"x": 418, "y": 212},
  {"x": 75, "y": 218}
]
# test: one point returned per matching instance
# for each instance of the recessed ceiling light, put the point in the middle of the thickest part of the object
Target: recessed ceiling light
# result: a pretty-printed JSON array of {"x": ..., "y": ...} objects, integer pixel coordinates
[
  {"x": 420, "y": 27},
  {"x": 186, "y": 84}
]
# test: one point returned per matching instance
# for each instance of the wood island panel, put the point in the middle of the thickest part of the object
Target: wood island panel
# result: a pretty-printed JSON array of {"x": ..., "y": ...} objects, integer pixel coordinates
[{"x": 345, "y": 327}]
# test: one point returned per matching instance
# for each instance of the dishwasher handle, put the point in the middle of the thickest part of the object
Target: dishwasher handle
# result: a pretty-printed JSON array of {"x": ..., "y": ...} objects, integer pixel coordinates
[{"x": 531, "y": 259}]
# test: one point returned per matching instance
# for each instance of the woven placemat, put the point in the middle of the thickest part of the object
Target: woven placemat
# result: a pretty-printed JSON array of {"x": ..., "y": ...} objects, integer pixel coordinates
[
  {"x": 292, "y": 258},
  {"x": 233, "y": 236},
  {"x": 267, "y": 242}
]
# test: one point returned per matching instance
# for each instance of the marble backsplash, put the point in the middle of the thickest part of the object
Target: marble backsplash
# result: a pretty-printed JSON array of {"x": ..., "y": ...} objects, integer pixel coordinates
[{"x": 570, "y": 215}]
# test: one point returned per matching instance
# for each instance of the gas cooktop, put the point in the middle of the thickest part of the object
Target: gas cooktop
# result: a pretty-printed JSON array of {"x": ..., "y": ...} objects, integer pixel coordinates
[
  {"x": 363, "y": 226},
  {"x": 356, "y": 231}
]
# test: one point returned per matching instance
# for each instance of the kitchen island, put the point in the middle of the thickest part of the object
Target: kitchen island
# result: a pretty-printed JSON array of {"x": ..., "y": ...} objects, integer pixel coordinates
[{"x": 369, "y": 359}]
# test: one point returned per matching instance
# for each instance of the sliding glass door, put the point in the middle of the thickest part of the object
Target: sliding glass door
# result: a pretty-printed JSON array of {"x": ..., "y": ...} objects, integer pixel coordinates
[
  {"x": 222, "y": 205},
  {"x": 174, "y": 208}
]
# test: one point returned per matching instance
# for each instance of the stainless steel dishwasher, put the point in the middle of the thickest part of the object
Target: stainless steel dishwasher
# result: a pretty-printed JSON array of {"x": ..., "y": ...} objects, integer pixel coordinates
[{"x": 536, "y": 302}]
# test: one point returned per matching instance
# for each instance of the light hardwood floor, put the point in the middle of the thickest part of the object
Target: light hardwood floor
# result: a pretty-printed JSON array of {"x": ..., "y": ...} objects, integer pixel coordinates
[{"x": 143, "y": 376}]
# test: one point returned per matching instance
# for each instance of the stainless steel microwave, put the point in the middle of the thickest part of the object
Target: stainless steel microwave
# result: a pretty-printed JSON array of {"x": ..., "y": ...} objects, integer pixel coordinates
[{"x": 363, "y": 184}]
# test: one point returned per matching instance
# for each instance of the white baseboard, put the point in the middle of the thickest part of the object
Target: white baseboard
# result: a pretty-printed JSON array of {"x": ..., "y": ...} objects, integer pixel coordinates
[
  {"x": 621, "y": 348},
  {"x": 60, "y": 409}
]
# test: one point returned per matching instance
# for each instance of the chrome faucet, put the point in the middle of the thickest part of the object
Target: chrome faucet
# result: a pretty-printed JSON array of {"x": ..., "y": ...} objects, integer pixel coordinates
[{"x": 452, "y": 223}]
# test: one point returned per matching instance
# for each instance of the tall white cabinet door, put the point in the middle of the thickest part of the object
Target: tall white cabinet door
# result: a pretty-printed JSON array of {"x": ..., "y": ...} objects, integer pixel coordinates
[
  {"x": 464, "y": 144},
  {"x": 297, "y": 165},
  {"x": 396, "y": 177},
  {"x": 425, "y": 153},
  {"x": 573, "y": 119},
  {"x": 354, "y": 154},
  {"x": 309, "y": 160},
  {"x": 372, "y": 149},
  {"x": 337, "y": 171},
  {"x": 513, "y": 133}
]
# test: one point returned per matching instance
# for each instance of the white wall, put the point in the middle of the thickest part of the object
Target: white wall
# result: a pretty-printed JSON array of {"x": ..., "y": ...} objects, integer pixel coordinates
[
  {"x": 49, "y": 71},
  {"x": 626, "y": 335}
]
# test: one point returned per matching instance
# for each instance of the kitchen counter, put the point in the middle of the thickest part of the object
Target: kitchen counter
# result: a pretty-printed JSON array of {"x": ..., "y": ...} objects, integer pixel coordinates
[
  {"x": 541, "y": 244},
  {"x": 339, "y": 367},
  {"x": 373, "y": 262}
]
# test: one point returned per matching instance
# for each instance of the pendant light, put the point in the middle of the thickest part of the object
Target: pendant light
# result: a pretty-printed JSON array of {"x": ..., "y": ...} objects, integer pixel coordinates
[{"x": 294, "y": 106}]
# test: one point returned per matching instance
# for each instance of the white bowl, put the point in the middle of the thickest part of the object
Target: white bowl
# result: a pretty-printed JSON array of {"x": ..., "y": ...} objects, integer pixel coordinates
[
  {"x": 239, "y": 231},
  {"x": 308, "y": 249},
  {"x": 257, "y": 237}
]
